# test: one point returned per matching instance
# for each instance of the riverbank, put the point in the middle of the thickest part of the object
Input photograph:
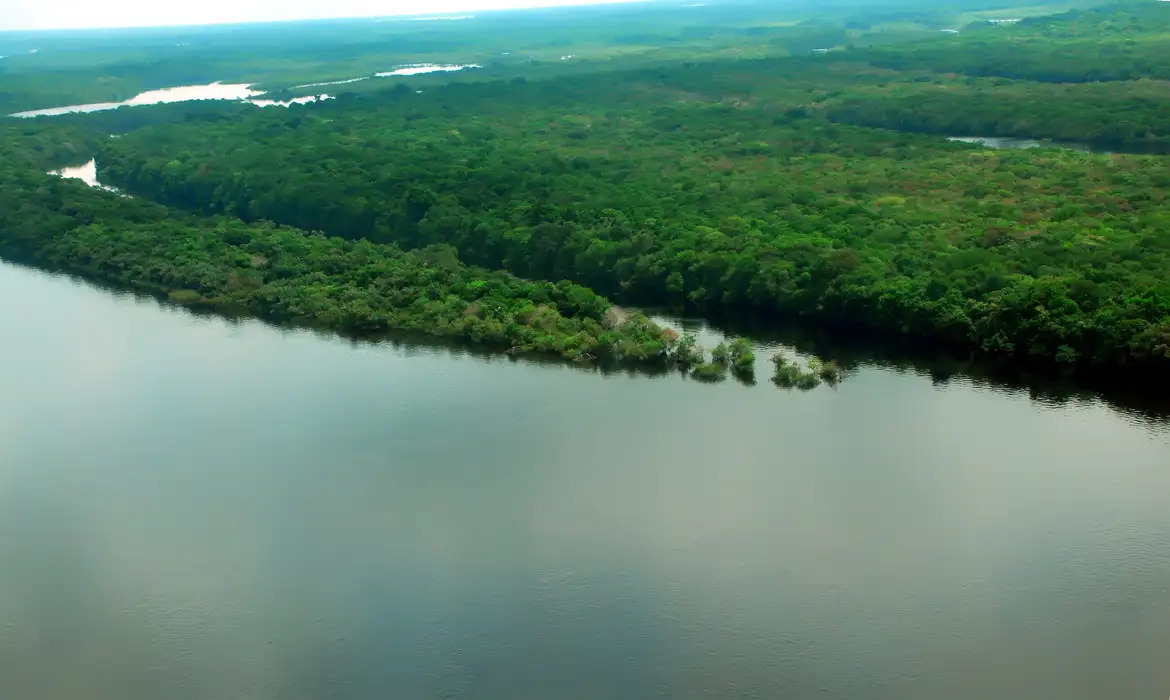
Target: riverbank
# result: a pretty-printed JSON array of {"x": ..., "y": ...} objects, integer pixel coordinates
[
  {"x": 1042, "y": 256},
  {"x": 302, "y": 484},
  {"x": 284, "y": 275}
]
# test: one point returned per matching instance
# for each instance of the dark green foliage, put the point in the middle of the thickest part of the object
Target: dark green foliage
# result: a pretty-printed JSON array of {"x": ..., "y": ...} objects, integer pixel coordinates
[
  {"x": 1127, "y": 115},
  {"x": 1119, "y": 41},
  {"x": 688, "y": 190},
  {"x": 714, "y": 184},
  {"x": 113, "y": 65},
  {"x": 292, "y": 276}
]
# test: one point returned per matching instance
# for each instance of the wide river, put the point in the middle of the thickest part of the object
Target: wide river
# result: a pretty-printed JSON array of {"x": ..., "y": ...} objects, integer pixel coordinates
[{"x": 192, "y": 508}]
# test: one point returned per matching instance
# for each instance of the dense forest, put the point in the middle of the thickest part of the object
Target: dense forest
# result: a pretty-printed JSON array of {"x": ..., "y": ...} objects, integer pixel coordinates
[
  {"x": 1120, "y": 41},
  {"x": 286, "y": 275},
  {"x": 789, "y": 185},
  {"x": 693, "y": 186},
  {"x": 1127, "y": 115},
  {"x": 49, "y": 69}
]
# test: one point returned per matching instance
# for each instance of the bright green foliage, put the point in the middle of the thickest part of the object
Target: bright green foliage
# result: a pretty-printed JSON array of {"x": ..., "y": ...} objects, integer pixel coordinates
[
  {"x": 789, "y": 375},
  {"x": 688, "y": 353},
  {"x": 721, "y": 354},
  {"x": 710, "y": 371},
  {"x": 727, "y": 184},
  {"x": 740, "y": 357}
]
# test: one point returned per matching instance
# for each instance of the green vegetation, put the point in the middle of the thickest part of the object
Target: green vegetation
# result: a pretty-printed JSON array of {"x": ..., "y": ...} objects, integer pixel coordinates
[
  {"x": 714, "y": 186},
  {"x": 710, "y": 371},
  {"x": 650, "y": 168},
  {"x": 829, "y": 372},
  {"x": 736, "y": 356},
  {"x": 113, "y": 65},
  {"x": 789, "y": 375},
  {"x": 110, "y": 66},
  {"x": 1118, "y": 41},
  {"x": 688, "y": 353},
  {"x": 286, "y": 275},
  {"x": 1127, "y": 115}
]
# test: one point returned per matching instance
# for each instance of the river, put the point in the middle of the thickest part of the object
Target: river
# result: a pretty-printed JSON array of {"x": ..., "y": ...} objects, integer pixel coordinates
[
  {"x": 185, "y": 93},
  {"x": 1015, "y": 143},
  {"x": 197, "y": 508},
  {"x": 1025, "y": 143}
]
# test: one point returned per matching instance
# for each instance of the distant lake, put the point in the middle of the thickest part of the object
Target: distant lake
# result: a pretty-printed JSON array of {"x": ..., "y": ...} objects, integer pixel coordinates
[
  {"x": 197, "y": 508},
  {"x": 86, "y": 172},
  {"x": 422, "y": 68},
  {"x": 1011, "y": 142},
  {"x": 406, "y": 70},
  {"x": 237, "y": 92},
  {"x": 187, "y": 93}
]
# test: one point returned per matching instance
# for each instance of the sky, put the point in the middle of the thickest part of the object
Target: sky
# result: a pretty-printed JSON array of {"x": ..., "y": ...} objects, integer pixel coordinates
[{"x": 73, "y": 14}]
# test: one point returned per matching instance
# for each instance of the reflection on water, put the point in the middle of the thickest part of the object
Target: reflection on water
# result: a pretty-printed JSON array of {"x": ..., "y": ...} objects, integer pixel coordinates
[
  {"x": 214, "y": 91},
  {"x": 235, "y": 92},
  {"x": 852, "y": 349},
  {"x": 196, "y": 508},
  {"x": 1010, "y": 142},
  {"x": 293, "y": 101},
  {"x": 331, "y": 82},
  {"x": 421, "y": 68}
]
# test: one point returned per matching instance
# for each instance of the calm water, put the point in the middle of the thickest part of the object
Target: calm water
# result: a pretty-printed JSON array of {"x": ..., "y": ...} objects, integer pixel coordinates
[
  {"x": 406, "y": 70},
  {"x": 421, "y": 68},
  {"x": 86, "y": 172},
  {"x": 186, "y": 93},
  {"x": 1011, "y": 142},
  {"x": 191, "y": 508}
]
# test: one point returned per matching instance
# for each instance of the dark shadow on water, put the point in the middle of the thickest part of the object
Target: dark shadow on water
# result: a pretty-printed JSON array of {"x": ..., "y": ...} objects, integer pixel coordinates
[
  {"x": 852, "y": 349},
  {"x": 1135, "y": 397}
]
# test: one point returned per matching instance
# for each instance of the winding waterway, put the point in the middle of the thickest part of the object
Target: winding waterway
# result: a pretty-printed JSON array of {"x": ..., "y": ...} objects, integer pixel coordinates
[
  {"x": 1016, "y": 143},
  {"x": 186, "y": 93},
  {"x": 198, "y": 508}
]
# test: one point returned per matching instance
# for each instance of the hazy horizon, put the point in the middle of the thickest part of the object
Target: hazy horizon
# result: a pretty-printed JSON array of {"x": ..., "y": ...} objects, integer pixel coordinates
[{"x": 38, "y": 15}]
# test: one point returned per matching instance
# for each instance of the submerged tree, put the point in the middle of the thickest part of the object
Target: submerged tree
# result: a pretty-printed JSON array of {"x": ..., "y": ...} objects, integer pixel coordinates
[
  {"x": 789, "y": 375},
  {"x": 688, "y": 353}
]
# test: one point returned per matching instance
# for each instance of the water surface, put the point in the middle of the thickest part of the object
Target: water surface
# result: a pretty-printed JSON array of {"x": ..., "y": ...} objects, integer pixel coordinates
[
  {"x": 86, "y": 172},
  {"x": 194, "y": 508},
  {"x": 422, "y": 68},
  {"x": 213, "y": 91},
  {"x": 306, "y": 99},
  {"x": 188, "y": 93},
  {"x": 1011, "y": 142}
]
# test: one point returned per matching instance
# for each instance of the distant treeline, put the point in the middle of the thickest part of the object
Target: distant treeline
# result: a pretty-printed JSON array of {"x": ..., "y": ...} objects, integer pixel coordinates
[{"x": 1122, "y": 41}]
